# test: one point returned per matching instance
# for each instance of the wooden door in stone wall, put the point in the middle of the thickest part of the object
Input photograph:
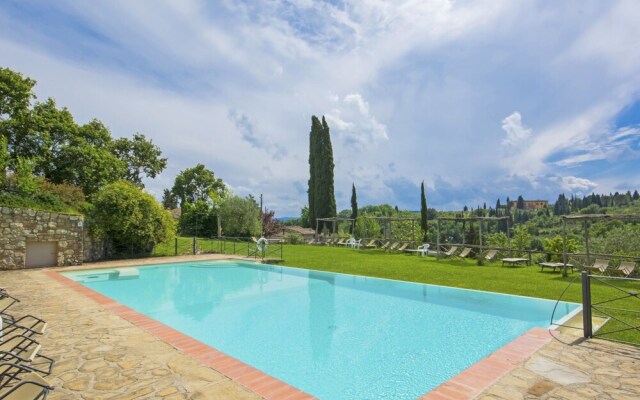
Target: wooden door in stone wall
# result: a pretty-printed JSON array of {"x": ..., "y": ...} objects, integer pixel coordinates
[{"x": 41, "y": 254}]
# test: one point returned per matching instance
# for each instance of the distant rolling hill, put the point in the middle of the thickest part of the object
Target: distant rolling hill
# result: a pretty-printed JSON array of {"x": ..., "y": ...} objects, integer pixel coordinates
[{"x": 285, "y": 219}]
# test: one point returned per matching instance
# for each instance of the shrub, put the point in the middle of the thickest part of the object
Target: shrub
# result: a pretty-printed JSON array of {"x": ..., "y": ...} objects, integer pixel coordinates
[
  {"x": 39, "y": 201},
  {"x": 554, "y": 245},
  {"x": 498, "y": 239},
  {"x": 294, "y": 238},
  {"x": 367, "y": 228},
  {"x": 130, "y": 217},
  {"x": 69, "y": 194}
]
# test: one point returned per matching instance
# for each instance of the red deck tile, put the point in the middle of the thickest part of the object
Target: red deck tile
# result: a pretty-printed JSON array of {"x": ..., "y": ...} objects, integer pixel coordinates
[{"x": 475, "y": 379}]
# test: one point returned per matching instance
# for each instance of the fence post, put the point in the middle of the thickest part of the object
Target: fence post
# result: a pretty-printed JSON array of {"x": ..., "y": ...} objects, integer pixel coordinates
[
  {"x": 195, "y": 246},
  {"x": 586, "y": 305},
  {"x": 175, "y": 247}
]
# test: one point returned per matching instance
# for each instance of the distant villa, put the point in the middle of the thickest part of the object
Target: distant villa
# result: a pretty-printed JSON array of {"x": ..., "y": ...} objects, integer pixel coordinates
[{"x": 531, "y": 204}]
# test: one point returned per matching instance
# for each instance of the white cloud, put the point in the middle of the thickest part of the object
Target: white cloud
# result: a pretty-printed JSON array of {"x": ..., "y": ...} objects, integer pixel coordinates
[
  {"x": 517, "y": 133},
  {"x": 575, "y": 185},
  {"x": 612, "y": 40},
  {"x": 353, "y": 121}
]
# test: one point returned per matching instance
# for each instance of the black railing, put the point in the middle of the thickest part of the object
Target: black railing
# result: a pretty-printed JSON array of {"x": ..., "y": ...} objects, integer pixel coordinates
[
  {"x": 619, "y": 319},
  {"x": 181, "y": 246}
]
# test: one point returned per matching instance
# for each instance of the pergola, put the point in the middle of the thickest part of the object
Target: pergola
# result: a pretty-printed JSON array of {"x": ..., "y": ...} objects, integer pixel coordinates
[
  {"x": 472, "y": 219},
  {"x": 585, "y": 219},
  {"x": 333, "y": 221},
  {"x": 388, "y": 220}
]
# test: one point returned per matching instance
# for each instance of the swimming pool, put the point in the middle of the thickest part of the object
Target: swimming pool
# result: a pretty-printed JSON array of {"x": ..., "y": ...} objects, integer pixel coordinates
[{"x": 331, "y": 335}]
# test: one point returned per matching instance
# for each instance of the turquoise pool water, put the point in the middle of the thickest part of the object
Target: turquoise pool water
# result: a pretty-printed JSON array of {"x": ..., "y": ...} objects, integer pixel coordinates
[{"x": 331, "y": 335}]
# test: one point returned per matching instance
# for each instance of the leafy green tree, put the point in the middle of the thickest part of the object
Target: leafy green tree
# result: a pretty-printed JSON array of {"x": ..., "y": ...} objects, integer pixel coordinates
[
  {"x": 198, "y": 219},
  {"x": 85, "y": 160},
  {"x": 62, "y": 151},
  {"x": 130, "y": 217},
  {"x": 367, "y": 228},
  {"x": 65, "y": 152},
  {"x": 4, "y": 159},
  {"x": 554, "y": 246},
  {"x": 304, "y": 217},
  {"x": 520, "y": 203},
  {"x": 26, "y": 182},
  {"x": 382, "y": 210},
  {"x": 406, "y": 229},
  {"x": 497, "y": 239},
  {"x": 521, "y": 240},
  {"x": 16, "y": 93},
  {"x": 169, "y": 200},
  {"x": 423, "y": 214},
  {"x": 354, "y": 205},
  {"x": 240, "y": 217},
  {"x": 141, "y": 157},
  {"x": 619, "y": 240},
  {"x": 195, "y": 183}
]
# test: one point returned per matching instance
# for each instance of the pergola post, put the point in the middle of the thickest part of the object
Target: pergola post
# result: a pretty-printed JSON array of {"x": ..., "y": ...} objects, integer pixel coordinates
[
  {"x": 564, "y": 248},
  {"x": 438, "y": 240},
  {"x": 413, "y": 231},
  {"x": 480, "y": 231},
  {"x": 509, "y": 237},
  {"x": 317, "y": 224},
  {"x": 464, "y": 225},
  {"x": 586, "y": 241}
]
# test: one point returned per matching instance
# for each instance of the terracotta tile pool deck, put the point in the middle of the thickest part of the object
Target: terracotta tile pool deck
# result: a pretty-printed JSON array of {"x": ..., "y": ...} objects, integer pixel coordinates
[{"x": 483, "y": 379}]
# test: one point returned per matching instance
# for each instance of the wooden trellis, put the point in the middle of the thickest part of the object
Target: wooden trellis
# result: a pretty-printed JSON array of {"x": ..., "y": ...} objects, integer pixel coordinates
[
  {"x": 473, "y": 219},
  {"x": 585, "y": 219}
]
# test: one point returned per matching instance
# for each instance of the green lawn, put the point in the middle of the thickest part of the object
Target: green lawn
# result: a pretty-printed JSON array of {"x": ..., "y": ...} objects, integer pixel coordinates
[{"x": 524, "y": 281}]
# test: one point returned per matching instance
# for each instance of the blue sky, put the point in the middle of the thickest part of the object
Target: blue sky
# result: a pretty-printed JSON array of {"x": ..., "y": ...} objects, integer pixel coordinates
[{"x": 480, "y": 99}]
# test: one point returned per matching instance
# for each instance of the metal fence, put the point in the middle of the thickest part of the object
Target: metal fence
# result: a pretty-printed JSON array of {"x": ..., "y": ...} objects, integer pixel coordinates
[
  {"x": 240, "y": 246},
  {"x": 619, "y": 318}
]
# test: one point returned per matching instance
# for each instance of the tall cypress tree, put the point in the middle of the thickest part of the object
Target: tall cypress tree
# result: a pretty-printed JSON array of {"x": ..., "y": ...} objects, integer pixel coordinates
[
  {"x": 322, "y": 201},
  {"x": 328, "y": 196},
  {"x": 314, "y": 150},
  {"x": 354, "y": 206},
  {"x": 423, "y": 213}
]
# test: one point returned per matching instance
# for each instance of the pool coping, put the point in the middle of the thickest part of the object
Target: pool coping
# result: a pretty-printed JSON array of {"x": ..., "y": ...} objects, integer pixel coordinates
[{"x": 465, "y": 385}]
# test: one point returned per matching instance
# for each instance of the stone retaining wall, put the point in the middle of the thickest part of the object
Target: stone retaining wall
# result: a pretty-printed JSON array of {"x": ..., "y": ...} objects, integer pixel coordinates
[{"x": 19, "y": 226}]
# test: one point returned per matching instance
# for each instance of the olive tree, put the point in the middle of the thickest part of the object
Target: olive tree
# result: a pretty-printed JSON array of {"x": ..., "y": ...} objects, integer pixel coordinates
[{"x": 240, "y": 217}]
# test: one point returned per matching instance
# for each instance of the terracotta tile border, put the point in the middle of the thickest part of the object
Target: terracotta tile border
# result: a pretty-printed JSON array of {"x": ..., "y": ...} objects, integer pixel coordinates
[
  {"x": 465, "y": 386},
  {"x": 253, "y": 379},
  {"x": 480, "y": 376}
]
